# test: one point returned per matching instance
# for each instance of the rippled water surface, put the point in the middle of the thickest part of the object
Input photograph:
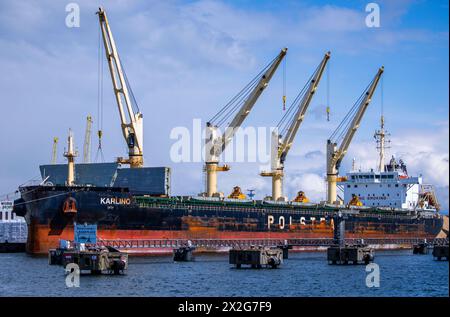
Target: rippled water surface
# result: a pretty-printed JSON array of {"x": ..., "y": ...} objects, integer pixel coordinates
[{"x": 303, "y": 274}]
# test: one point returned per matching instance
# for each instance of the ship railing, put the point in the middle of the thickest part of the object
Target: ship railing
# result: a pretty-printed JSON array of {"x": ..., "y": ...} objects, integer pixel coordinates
[
  {"x": 275, "y": 210},
  {"x": 226, "y": 243}
]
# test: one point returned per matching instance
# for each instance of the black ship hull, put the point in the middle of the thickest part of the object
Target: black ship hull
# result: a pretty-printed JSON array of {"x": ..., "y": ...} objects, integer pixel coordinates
[{"x": 50, "y": 212}]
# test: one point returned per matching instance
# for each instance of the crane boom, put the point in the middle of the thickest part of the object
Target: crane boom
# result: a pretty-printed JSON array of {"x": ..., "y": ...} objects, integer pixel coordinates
[
  {"x": 248, "y": 105},
  {"x": 280, "y": 148},
  {"x": 216, "y": 144},
  {"x": 133, "y": 129},
  {"x": 303, "y": 106},
  {"x": 335, "y": 154}
]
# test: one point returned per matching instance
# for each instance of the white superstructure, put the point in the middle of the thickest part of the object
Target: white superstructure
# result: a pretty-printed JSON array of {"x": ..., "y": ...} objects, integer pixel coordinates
[
  {"x": 391, "y": 188},
  {"x": 388, "y": 186}
]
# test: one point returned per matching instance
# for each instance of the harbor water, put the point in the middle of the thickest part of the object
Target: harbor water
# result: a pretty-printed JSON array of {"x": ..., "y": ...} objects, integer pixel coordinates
[{"x": 303, "y": 274}]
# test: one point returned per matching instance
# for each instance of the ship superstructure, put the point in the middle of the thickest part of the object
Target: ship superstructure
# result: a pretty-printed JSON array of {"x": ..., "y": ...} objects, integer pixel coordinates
[{"x": 389, "y": 185}]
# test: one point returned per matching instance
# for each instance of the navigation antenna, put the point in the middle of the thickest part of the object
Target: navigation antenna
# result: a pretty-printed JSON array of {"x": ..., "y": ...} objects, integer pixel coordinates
[{"x": 381, "y": 136}]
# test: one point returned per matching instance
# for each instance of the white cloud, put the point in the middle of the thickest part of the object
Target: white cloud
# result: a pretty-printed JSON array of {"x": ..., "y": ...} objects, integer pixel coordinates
[{"x": 312, "y": 184}]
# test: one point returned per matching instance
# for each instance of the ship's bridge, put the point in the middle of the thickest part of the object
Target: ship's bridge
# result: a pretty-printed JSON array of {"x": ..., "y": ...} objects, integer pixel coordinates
[{"x": 382, "y": 189}]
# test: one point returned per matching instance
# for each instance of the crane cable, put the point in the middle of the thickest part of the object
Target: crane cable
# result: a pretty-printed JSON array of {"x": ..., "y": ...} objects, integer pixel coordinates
[
  {"x": 238, "y": 100},
  {"x": 328, "y": 92},
  {"x": 345, "y": 123},
  {"x": 289, "y": 116},
  {"x": 284, "y": 83},
  {"x": 134, "y": 103},
  {"x": 382, "y": 96},
  {"x": 99, "y": 99}
]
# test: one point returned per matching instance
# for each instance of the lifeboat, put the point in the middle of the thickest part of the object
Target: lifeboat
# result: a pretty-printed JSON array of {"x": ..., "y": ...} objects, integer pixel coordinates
[
  {"x": 355, "y": 201},
  {"x": 237, "y": 193},
  {"x": 301, "y": 197}
]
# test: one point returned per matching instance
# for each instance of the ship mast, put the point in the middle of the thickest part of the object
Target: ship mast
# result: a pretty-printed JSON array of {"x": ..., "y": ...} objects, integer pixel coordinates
[
  {"x": 70, "y": 154},
  {"x": 380, "y": 137}
]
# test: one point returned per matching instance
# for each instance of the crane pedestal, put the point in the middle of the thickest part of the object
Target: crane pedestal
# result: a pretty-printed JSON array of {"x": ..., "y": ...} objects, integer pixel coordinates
[
  {"x": 277, "y": 183},
  {"x": 211, "y": 177},
  {"x": 332, "y": 192}
]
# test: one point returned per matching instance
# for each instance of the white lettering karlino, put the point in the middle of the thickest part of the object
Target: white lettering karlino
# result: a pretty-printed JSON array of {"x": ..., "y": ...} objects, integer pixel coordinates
[{"x": 115, "y": 201}]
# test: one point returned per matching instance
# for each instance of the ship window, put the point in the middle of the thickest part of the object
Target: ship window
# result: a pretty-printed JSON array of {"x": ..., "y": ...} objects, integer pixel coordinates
[
  {"x": 366, "y": 185},
  {"x": 398, "y": 194},
  {"x": 390, "y": 176},
  {"x": 348, "y": 186},
  {"x": 388, "y": 194},
  {"x": 377, "y": 176},
  {"x": 1, "y": 215},
  {"x": 396, "y": 185},
  {"x": 389, "y": 185},
  {"x": 353, "y": 177},
  {"x": 6, "y": 216},
  {"x": 356, "y": 186}
]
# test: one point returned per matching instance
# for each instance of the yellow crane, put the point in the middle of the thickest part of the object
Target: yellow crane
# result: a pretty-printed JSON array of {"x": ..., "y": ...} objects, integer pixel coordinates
[
  {"x": 345, "y": 131},
  {"x": 289, "y": 124},
  {"x": 87, "y": 141},
  {"x": 132, "y": 120},
  {"x": 243, "y": 103}
]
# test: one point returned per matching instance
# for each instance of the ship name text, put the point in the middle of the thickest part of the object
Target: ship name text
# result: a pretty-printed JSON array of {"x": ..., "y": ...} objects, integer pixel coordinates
[
  {"x": 282, "y": 222},
  {"x": 115, "y": 201}
]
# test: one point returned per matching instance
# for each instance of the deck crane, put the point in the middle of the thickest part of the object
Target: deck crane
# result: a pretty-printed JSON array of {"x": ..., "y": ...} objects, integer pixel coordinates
[
  {"x": 87, "y": 140},
  {"x": 345, "y": 131},
  {"x": 132, "y": 122},
  {"x": 243, "y": 103},
  {"x": 289, "y": 124}
]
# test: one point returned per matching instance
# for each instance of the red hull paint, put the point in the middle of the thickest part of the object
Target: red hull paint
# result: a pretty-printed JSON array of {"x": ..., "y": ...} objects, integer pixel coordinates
[{"x": 40, "y": 241}]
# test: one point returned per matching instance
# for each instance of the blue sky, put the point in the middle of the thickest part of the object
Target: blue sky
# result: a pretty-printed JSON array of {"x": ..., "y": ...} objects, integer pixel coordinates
[{"x": 186, "y": 59}]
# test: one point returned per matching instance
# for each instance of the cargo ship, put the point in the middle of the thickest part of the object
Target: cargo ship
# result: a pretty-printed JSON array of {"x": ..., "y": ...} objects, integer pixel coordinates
[
  {"x": 121, "y": 215},
  {"x": 135, "y": 203}
]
